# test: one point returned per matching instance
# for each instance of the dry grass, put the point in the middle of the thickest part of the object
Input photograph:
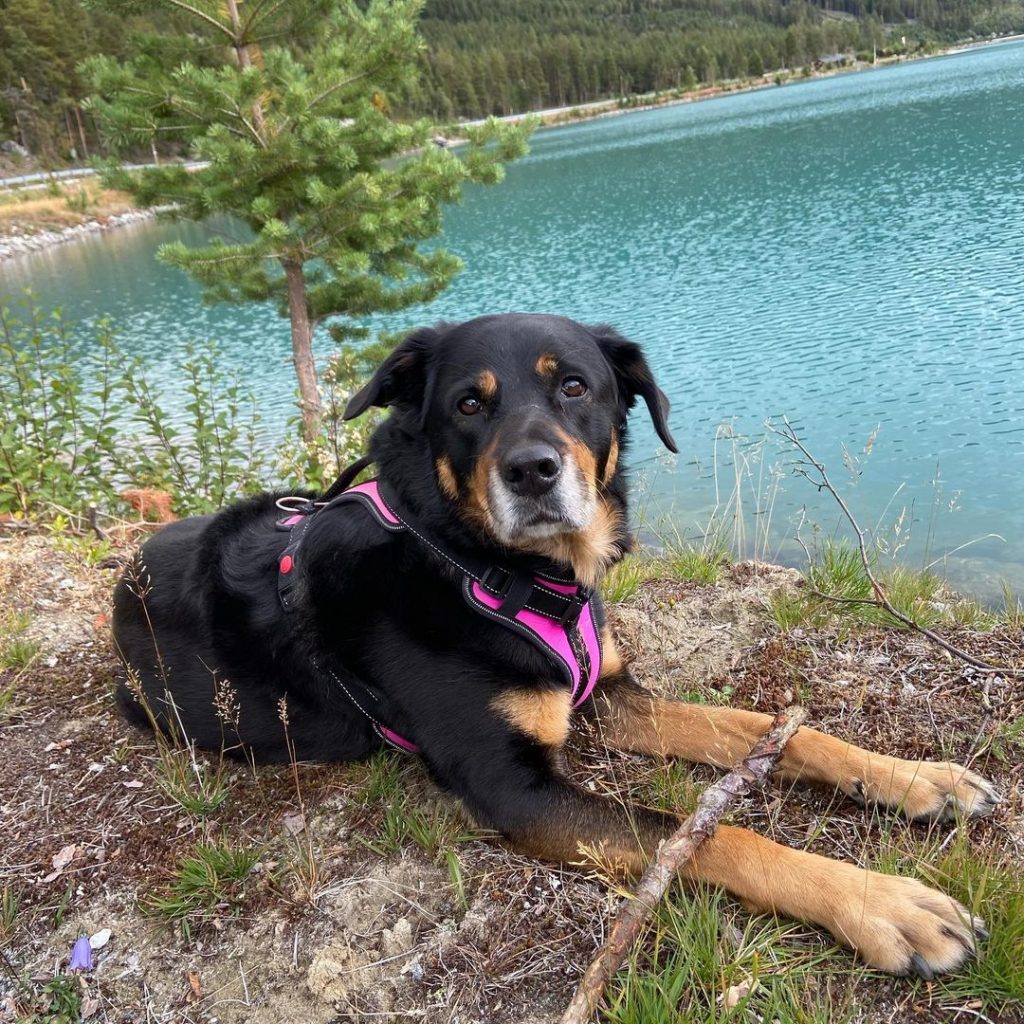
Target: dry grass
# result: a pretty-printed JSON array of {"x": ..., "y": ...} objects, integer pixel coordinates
[
  {"x": 33, "y": 210},
  {"x": 373, "y": 897}
]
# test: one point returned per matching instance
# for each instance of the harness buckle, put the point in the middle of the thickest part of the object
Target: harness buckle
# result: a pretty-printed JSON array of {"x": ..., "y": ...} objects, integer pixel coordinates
[
  {"x": 497, "y": 580},
  {"x": 573, "y": 609}
]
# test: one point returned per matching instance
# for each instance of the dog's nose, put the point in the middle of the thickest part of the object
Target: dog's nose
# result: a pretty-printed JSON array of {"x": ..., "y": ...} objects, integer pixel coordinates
[{"x": 532, "y": 470}]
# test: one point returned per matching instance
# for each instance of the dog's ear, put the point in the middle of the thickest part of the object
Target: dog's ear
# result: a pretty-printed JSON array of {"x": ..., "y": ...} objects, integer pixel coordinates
[
  {"x": 634, "y": 378},
  {"x": 401, "y": 378}
]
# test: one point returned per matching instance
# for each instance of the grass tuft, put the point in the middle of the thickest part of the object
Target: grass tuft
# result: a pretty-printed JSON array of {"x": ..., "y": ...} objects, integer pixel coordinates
[
  {"x": 789, "y": 610},
  {"x": 703, "y": 963},
  {"x": 189, "y": 779},
  {"x": 1013, "y": 608},
  {"x": 17, "y": 652},
  {"x": 435, "y": 830},
  {"x": 698, "y": 565},
  {"x": 206, "y": 886},
  {"x": 920, "y": 594},
  {"x": 625, "y": 578}
]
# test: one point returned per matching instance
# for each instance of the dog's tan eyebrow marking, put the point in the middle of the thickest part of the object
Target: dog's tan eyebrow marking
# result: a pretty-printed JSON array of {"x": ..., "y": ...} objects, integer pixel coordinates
[
  {"x": 541, "y": 714},
  {"x": 487, "y": 384},
  {"x": 446, "y": 477},
  {"x": 546, "y": 365}
]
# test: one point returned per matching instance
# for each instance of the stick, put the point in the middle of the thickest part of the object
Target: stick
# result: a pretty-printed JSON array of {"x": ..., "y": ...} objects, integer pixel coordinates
[
  {"x": 672, "y": 854},
  {"x": 880, "y": 599}
]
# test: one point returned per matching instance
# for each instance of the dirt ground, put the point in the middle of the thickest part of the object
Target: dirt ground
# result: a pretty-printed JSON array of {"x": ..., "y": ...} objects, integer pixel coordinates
[{"x": 466, "y": 932}]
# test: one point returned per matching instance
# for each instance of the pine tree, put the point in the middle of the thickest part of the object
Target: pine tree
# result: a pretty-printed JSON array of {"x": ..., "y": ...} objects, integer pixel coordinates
[{"x": 288, "y": 106}]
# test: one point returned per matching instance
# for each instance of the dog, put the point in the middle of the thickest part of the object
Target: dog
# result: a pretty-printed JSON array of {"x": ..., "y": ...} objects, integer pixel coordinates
[{"x": 449, "y": 607}]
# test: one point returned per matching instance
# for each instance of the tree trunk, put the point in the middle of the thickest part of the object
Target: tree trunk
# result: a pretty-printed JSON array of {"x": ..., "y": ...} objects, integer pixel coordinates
[
  {"x": 302, "y": 351},
  {"x": 81, "y": 131},
  {"x": 243, "y": 51}
]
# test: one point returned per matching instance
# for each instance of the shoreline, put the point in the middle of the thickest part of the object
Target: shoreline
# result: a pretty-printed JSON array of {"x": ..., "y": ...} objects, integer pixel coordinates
[
  {"x": 20, "y": 243},
  {"x": 636, "y": 103},
  {"x": 23, "y": 240}
]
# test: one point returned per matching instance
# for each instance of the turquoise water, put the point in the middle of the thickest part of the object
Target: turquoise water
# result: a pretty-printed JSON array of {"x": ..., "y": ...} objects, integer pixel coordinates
[{"x": 846, "y": 252}]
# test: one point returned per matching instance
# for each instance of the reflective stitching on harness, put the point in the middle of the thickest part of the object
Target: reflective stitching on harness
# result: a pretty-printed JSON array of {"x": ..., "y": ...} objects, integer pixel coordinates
[
  {"x": 386, "y": 734},
  {"x": 519, "y": 628}
]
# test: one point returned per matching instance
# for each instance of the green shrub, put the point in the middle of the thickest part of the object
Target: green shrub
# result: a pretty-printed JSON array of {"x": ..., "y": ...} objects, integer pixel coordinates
[
  {"x": 77, "y": 431},
  {"x": 213, "y": 455},
  {"x": 57, "y": 438}
]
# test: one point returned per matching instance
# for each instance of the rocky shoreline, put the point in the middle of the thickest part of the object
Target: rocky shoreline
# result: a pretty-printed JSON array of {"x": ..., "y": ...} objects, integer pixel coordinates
[{"x": 20, "y": 241}]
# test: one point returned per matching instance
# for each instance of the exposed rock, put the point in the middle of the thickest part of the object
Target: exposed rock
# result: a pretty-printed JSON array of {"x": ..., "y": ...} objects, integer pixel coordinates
[{"x": 18, "y": 243}]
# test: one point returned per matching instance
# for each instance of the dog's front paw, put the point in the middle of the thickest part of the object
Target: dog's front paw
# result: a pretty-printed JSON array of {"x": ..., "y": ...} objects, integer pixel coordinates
[
  {"x": 902, "y": 926},
  {"x": 934, "y": 790}
]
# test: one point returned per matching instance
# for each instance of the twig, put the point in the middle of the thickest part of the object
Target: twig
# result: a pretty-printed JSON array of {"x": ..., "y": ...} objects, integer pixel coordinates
[
  {"x": 93, "y": 515},
  {"x": 880, "y": 599},
  {"x": 672, "y": 854}
]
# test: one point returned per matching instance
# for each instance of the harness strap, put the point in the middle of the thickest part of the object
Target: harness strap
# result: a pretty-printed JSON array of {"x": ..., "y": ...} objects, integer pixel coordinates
[{"x": 556, "y": 615}]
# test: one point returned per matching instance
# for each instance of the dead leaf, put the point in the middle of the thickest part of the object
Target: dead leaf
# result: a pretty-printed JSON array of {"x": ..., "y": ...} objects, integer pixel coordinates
[
  {"x": 90, "y": 1004},
  {"x": 132, "y": 784},
  {"x": 62, "y": 859},
  {"x": 100, "y": 939},
  {"x": 731, "y": 997},
  {"x": 294, "y": 823}
]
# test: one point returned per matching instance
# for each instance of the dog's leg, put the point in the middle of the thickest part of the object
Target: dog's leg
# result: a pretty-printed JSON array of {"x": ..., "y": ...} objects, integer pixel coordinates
[
  {"x": 514, "y": 785},
  {"x": 630, "y": 718}
]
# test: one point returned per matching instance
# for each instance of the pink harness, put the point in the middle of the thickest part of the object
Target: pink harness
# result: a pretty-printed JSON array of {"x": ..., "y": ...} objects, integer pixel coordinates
[{"x": 556, "y": 616}]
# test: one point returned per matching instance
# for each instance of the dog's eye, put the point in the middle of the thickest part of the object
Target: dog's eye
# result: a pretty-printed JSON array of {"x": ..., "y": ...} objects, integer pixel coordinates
[
  {"x": 469, "y": 405},
  {"x": 573, "y": 387}
]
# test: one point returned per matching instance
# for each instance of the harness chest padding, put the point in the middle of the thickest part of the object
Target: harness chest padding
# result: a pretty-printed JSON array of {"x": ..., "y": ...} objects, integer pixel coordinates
[{"x": 555, "y": 639}]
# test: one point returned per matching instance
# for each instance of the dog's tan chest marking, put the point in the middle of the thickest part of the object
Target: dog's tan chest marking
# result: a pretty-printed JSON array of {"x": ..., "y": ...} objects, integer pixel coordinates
[
  {"x": 591, "y": 551},
  {"x": 540, "y": 714}
]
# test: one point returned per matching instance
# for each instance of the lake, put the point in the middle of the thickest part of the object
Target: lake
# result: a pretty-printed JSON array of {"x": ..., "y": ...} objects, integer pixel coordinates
[{"x": 846, "y": 252}]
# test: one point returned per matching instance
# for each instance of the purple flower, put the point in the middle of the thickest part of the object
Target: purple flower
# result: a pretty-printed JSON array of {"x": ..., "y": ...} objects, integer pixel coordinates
[{"x": 81, "y": 955}]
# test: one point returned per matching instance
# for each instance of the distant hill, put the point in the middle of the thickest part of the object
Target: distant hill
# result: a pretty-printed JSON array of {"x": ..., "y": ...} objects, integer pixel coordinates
[{"x": 503, "y": 56}]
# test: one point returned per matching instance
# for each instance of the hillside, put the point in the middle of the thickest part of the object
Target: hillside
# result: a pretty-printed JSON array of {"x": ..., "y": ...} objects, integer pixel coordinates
[
  {"x": 509, "y": 55},
  {"x": 489, "y": 56}
]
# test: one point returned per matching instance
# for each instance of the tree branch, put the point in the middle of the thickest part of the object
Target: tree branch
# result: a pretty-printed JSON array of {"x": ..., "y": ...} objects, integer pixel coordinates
[
  {"x": 204, "y": 17},
  {"x": 672, "y": 854},
  {"x": 880, "y": 599}
]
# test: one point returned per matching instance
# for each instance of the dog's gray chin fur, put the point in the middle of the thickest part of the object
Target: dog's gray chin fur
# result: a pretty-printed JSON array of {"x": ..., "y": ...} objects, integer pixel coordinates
[{"x": 515, "y": 521}]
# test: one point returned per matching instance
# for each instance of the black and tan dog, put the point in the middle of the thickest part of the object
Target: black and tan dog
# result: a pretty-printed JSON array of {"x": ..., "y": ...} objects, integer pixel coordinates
[{"x": 502, "y": 447}]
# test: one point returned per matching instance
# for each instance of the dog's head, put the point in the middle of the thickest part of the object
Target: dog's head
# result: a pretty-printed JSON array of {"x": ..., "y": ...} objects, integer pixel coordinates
[{"x": 524, "y": 418}]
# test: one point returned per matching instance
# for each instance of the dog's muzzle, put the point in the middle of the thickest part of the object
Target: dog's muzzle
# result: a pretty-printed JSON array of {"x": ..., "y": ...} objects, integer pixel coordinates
[{"x": 537, "y": 492}]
